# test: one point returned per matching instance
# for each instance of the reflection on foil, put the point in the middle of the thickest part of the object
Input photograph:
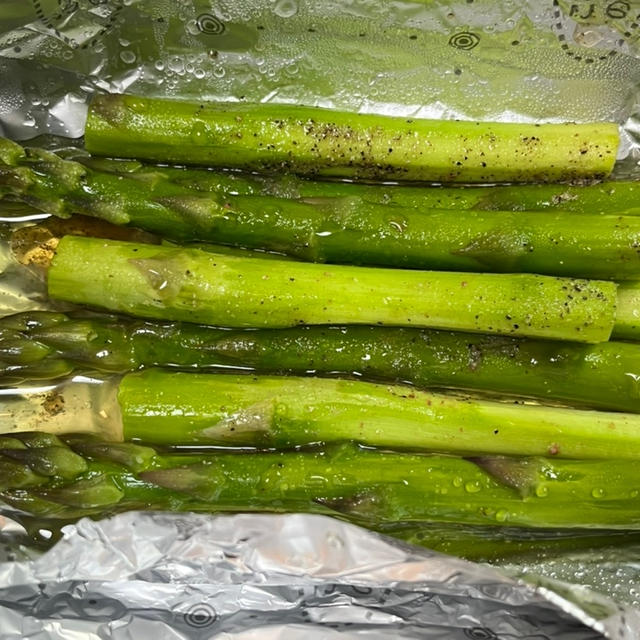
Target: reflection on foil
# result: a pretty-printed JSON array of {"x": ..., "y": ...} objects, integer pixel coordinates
[{"x": 169, "y": 576}]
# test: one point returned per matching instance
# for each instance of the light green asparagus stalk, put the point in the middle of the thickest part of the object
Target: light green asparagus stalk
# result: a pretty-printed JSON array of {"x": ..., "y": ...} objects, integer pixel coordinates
[
  {"x": 172, "y": 408},
  {"x": 327, "y": 143},
  {"x": 331, "y": 229},
  {"x": 196, "y": 286},
  {"x": 42, "y": 345},
  {"x": 69, "y": 477}
]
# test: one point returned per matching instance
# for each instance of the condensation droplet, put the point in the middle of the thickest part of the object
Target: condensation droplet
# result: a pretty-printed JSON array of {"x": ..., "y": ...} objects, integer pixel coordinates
[
  {"x": 127, "y": 56},
  {"x": 286, "y": 8}
]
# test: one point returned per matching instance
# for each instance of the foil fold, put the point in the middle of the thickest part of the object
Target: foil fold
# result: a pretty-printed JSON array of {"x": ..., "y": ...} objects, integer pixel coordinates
[{"x": 173, "y": 576}]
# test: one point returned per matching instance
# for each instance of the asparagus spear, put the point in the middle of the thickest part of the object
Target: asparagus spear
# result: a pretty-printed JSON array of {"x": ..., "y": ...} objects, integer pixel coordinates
[
  {"x": 333, "y": 229},
  {"x": 239, "y": 410},
  {"x": 365, "y": 486},
  {"x": 491, "y": 544},
  {"x": 614, "y": 197},
  {"x": 41, "y": 345},
  {"x": 196, "y": 286},
  {"x": 328, "y": 143}
]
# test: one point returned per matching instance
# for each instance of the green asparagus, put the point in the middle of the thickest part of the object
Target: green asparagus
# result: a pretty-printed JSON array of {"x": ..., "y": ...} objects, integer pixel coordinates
[
  {"x": 614, "y": 197},
  {"x": 627, "y": 325},
  {"x": 282, "y": 412},
  {"x": 42, "y": 345},
  {"x": 334, "y": 229},
  {"x": 196, "y": 286},
  {"x": 495, "y": 545},
  {"x": 74, "y": 476},
  {"x": 327, "y": 143}
]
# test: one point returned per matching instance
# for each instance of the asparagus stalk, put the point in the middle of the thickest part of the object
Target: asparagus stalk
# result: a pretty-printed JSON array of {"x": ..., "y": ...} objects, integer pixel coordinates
[
  {"x": 328, "y": 143},
  {"x": 619, "y": 197},
  {"x": 196, "y": 286},
  {"x": 627, "y": 325},
  {"x": 365, "y": 486},
  {"x": 490, "y": 544},
  {"x": 332, "y": 229},
  {"x": 282, "y": 412},
  {"x": 41, "y": 345}
]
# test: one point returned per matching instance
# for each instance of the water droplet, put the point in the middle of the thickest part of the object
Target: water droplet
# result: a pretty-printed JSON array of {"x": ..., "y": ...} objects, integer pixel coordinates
[
  {"x": 286, "y": 8},
  {"x": 159, "y": 65},
  {"x": 634, "y": 493},
  {"x": 502, "y": 515},
  {"x": 127, "y": 56},
  {"x": 199, "y": 73},
  {"x": 597, "y": 493},
  {"x": 123, "y": 42},
  {"x": 542, "y": 491},
  {"x": 472, "y": 487},
  {"x": 176, "y": 64},
  {"x": 219, "y": 72},
  {"x": 198, "y": 131},
  {"x": 457, "y": 481}
]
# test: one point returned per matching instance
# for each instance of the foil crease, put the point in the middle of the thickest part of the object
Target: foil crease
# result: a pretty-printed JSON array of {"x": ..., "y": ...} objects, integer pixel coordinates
[{"x": 168, "y": 577}]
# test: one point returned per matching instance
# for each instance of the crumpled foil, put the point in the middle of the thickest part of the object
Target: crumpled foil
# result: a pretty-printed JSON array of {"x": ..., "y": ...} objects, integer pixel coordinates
[
  {"x": 170, "y": 577},
  {"x": 248, "y": 576}
]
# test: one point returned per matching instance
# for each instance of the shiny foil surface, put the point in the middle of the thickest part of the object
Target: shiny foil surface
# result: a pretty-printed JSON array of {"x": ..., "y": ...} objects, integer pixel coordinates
[{"x": 169, "y": 577}]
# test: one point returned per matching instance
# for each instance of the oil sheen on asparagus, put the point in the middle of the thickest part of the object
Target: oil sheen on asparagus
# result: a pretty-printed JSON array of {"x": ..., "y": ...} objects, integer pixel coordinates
[
  {"x": 323, "y": 142},
  {"x": 332, "y": 229},
  {"x": 197, "y": 286},
  {"x": 168, "y": 408},
  {"x": 73, "y": 476},
  {"x": 40, "y": 345}
]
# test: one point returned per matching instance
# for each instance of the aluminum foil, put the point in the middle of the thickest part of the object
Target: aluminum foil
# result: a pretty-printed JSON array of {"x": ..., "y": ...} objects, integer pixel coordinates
[
  {"x": 481, "y": 59},
  {"x": 169, "y": 577}
]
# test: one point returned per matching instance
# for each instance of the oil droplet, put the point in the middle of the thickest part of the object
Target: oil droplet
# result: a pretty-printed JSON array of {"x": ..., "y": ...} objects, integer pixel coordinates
[
  {"x": 457, "y": 481},
  {"x": 542, "y": 491},
  {"x": 502, "y": 515},
  {"x": 472, "y": 487},
  {"x": 597, "y": 493},
  {"x": 286, "y": 8}
]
